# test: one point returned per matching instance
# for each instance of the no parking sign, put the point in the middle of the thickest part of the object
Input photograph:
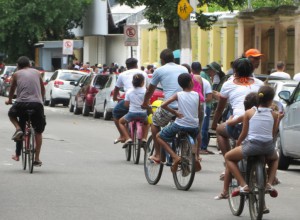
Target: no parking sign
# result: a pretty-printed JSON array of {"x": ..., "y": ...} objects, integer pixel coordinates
[
  {"x": 131, "y": 35},
  {"x": 68, "y": 46}
]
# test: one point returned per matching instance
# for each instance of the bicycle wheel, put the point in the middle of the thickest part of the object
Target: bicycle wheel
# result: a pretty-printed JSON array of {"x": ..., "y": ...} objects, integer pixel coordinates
[
  {"x": 128, "y": 149},
  {"x": 152, "y": 170},
  {"x": 257, "y": 189},
  {"x": 185, "y": 174},
  {"x": 31, "y": 150},
  {"x": 136, "y": 147},
  {"x": 24, "y": 153}
]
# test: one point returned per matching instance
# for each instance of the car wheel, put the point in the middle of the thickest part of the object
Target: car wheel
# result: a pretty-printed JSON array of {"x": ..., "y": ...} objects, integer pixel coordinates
[
  {"x": 106, "y": 115},
  {"x": 52, "y": 102},
  {"x": 284, "y": 161},
  {"x": 85, "y": 110},
  {"x": 96, "y": 114},
  {"x": 76, "y": 109},
  {"x": 66, "y": 103},
  {"x": 46, "y": 102}
]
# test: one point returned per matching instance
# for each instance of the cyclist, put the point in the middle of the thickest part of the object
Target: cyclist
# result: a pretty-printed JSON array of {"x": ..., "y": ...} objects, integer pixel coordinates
[
  {"x": 30, "y": 90},
  {"x": 260, "y": 126},
  {"x": 187, "y": 116},
  {"x": 167, "y": 76},
  {"x": 125, "y": 80},
  {"x": 133, "y": 100}
]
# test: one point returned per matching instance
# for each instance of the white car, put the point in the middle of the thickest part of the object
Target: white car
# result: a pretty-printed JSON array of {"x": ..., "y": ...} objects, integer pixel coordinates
[
  {"x": 103, "y": 102},
  {"x": 59, "y": 87},
  {"x": 289, "y": 129}
]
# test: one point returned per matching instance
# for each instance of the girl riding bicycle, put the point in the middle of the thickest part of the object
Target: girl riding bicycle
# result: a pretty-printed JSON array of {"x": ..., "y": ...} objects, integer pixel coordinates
[
  {"x": 260, "y": 125},
  {"x": 134, "y": 99}
]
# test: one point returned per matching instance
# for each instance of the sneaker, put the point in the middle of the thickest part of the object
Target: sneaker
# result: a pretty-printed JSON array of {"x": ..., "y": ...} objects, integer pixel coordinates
[
  {"x": 17, "y": 135},
  {"x": 37, "y": 163}
]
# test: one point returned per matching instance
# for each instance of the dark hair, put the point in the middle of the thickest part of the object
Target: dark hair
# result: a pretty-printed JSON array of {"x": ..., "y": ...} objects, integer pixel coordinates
[
  {"x": 265, "y": 94},
  {"x": 243, "y": 67},
  {"x": 280, "y": 65},
  {"x": 167, "y": 56},
  {"x": 131, "y": 63},
  {"x": 184, "y": 80},
  {"x": 137, "y": 80},
  {"x": 196, "y": 66},
  {"x": 23, "y": 62},
  {"x": 250, "y": 100},
  {"x": 187, "y": 66}
]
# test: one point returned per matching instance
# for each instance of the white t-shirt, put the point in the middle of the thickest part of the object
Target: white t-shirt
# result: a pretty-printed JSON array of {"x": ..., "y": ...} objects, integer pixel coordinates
[
  {"x": 206, "y": 87},
  {"x": 125, "y": 79},
  {"x": 297, "y": 77},
  {"x": 136, "y": 97},
  {"x": 236, "y": 94},
  {"x": 188, "y": 103},
  {"x": 281, "y": 74}
]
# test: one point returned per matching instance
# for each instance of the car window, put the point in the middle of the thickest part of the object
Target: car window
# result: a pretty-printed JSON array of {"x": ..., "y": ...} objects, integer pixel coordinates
[
  {"x": 53, "y": 77},
  {"x": 69, "y": 76},
  {"x": 107, "y": 85},
  {"x": 100, "y": 80},
  {"x": 296, "y": 97}
]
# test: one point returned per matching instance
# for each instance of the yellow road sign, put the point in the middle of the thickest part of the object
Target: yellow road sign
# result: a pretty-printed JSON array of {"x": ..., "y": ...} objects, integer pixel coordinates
[{"x": 184, "y": 9}]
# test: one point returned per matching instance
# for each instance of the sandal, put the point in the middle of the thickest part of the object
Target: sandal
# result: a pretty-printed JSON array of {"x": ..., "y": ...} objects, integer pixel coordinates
[
  {"x": 221, "y": 196},
  {"x": 271, "y": 190},
  {"x": 240, "y": 190},
  {"x": 127, "y": 142},
  {"x": 154, "y": 159},
  {"x": 174, "y": 166},
  {"x": 197, "y": 166},
  {"x": 15, "y": 157}
]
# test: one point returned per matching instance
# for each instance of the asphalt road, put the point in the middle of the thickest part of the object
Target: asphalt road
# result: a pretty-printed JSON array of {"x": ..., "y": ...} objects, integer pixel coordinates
[{"x": 85, "y": 176}]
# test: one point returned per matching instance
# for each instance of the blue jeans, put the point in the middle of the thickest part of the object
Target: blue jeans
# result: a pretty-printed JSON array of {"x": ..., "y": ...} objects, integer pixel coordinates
[{"x": 205, "y": 128}]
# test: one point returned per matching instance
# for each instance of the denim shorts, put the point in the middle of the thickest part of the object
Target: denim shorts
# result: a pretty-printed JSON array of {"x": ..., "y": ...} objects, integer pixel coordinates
[
  {"x": 256, "y": 147},
  {"x": 168, "y": 133},
  {"x": 234, "y": 131},
  {"x": 130, "y": 116},
  {"x": 120, "y": 110}
]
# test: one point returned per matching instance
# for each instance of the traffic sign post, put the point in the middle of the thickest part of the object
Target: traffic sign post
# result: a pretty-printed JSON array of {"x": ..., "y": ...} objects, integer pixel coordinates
[
  {"x": 184, "y": 9},
  {"x": 68, "y": 46},
  {"x": 131, "y": 35}
]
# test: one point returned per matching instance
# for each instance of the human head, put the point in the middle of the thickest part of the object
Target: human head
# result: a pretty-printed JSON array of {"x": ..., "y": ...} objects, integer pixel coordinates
[
  {"x": 243, "y": 67},
  {"x": 254, "y": 56},
  {"x": 250, "y": 100},
  {"x": 213, "y": 68},
  {"x": 131, "y": 63},
  {"x": 187, "y": 66},
  {"x": 23, "y": 62},
  {"x": 166, "y": 56},
  {"x": 185, "y": 80},
  {"x": 265, "y": 95},
  {"x": 280, "y": 66},
  {"x": 196, "y": 67},
  {"x": 138, "y": 80}
]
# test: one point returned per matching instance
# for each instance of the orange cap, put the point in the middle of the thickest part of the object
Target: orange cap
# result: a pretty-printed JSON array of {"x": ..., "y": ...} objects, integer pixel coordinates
[{"x": 253, "y": 53}]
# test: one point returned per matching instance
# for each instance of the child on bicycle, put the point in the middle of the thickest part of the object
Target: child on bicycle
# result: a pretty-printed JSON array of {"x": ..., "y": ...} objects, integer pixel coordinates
[
  {"x": 260, "y": 125},
  {"x": 134, "y": 99},
  {"x": 187, "y": 116}
]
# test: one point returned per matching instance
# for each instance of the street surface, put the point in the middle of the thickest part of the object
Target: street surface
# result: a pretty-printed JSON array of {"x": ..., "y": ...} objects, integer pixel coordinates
[{"x": 85, "y": 176}]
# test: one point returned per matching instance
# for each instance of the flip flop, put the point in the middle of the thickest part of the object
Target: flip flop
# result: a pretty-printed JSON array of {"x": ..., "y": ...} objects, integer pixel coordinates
[
  {"x": 152, "y": 158},
  {"x": 118, "y": 141},
  {"x": 174, "y": 166},
  {"x": 221, "y": 196}
]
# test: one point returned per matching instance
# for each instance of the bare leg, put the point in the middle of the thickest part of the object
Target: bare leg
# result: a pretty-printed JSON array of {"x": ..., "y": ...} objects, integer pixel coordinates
[
  {"x": 122, "y": 136},
  {"x": 223, "y": 138},
  {"x": 273, "y": 165},
  {"x": 15, "y": 122},
  {"x": 154, "y": 131},
  {"x": 167, "y": 147},
  {"x": 145, "y": 130},
  {"x": 38, "y": 140},
  {"x": 123, "y": 129}
]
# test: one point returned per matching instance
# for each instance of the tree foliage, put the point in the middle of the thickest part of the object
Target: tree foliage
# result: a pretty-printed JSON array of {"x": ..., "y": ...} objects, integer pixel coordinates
[{"x": 24, "y": 23}]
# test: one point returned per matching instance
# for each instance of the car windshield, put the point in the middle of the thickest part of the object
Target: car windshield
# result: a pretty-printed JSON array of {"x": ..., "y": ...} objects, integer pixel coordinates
[{"x": 70, "y": 76}]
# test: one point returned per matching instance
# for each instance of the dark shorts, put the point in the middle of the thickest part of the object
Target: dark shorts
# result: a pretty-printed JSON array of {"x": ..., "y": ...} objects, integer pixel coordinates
[
  {"x": 141, "y": 116},
  {"x": 256, "y": 147},
  {"x": 234, "y": 131},
  {"x": 168, "y": 133},
  {"x": 18, "y": 110},
  {"x": 120, "y": 110}
]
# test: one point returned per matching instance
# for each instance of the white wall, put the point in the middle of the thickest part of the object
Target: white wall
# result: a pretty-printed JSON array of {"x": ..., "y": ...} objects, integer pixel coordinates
[
  {"x": 116, "y": 52},
  {"x": 94, "y": 50}
]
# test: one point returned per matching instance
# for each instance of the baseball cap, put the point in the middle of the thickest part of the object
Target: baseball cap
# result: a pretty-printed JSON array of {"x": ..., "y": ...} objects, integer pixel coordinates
[
  {"x": 215, "y": 67},
  {"x": 196, "y": 66},
  {"x": 253, "y": 53}
]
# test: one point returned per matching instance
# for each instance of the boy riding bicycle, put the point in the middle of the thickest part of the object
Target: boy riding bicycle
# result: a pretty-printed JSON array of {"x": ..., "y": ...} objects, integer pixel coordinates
[{"x": 187, "y": 117}]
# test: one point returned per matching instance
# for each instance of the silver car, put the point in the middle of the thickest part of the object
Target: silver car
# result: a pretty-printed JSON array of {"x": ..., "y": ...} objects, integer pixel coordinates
[{"x": 289, "y": 129}]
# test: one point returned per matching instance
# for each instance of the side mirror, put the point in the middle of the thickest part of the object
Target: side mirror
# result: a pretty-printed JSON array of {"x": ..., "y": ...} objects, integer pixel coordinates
[
  {"x": 72, "y": 83},
  {"x": 285, "y": 95},
  {"x": 81, "y": 84}
]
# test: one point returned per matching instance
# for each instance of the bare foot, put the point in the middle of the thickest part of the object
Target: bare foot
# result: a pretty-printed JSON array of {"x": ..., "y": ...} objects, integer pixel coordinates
[{"x": 15, "y": 157}]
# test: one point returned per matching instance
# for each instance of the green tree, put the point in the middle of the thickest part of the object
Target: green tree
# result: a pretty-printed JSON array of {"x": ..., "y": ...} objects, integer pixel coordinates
[
  {"x": 24, "y": 23},
  {"x": 165, "y": 12}
]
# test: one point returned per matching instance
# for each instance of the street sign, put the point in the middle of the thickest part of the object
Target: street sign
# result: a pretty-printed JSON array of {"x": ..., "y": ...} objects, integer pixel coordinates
[
  {"x": 68, "y": 47},
  {"x": 184, "y": 9},
  {"x": 131, "y": 35}
]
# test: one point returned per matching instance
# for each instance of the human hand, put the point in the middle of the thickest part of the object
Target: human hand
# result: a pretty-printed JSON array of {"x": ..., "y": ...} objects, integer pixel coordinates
[
  {"x": 145, "y": 105},
  {"x": 280, "y": 115},
  {"x": 178, "y": 114},
  {"x": 8, "y": 102}
]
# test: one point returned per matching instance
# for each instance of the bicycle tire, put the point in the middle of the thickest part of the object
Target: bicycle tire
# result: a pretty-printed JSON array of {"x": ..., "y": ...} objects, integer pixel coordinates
[
  {"x": 136, "y": 146},
  {"x": 31, "y": 150},
  {"x": 24, "y": 153},
  {"x": 153, "y": 171},
  {"x": 128, "y": 149},
  {"x": 185, "y": 174},
  {"x": 257, "y": 189}
]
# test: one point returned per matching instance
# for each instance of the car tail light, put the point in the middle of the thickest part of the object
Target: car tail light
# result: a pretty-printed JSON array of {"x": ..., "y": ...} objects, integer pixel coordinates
[
  {"x": 58, "y": 83},
  {"x": 45, "y": 83}
]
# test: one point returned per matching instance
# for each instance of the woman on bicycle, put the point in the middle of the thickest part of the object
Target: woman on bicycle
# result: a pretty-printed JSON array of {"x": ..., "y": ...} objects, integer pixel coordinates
[
  {"x": 134, "y": 99},
  {"x": 187, "y": 117},
  {"x": 260, "y": 126}
]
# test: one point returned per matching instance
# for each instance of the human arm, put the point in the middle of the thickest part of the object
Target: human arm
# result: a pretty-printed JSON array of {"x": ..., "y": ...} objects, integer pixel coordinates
[
  {"x": 42, "y": 87},
  {"x": 169, "y": 101},
  {"x": 13, "y": 86},
  {"x": 148, "y": 94},
  {"x": 245, "y": 128},
  {"x": 218, "y": 113},
  {"x": 233, "y": 121},
  {"x": 277, "y": 118},
  {"x": 116, "y": 93}
]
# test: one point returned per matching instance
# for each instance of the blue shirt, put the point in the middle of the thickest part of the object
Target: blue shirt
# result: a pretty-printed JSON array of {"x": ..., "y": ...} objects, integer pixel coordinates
[{"x": 167, "y": 76}]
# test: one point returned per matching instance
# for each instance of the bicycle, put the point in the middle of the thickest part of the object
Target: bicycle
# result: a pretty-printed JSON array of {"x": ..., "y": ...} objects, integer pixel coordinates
[
  {"x": 136, "y": 134},
  {"x": 253, "y": 169},
  {"x": 182, "y": 144},
  {"x": 28, "y": 148}
]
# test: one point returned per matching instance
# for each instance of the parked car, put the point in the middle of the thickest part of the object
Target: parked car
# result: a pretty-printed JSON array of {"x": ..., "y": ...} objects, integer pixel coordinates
[
  {"x": 84, "y": 99},
  {"x": 104, "y": 104},
  {"x": 59, "y": 87},
  {"x": 289, "y": 130},
  {"x": 4, "y": 73},
  {"x": 6, "y": 83},
  {"x": 77, "y": 85},
  {"x": 46, "y": 76}
]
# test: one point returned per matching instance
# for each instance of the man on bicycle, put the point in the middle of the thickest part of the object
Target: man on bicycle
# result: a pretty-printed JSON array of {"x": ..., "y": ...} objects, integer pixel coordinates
[
  {"x": 30, "y": 92},
  {"x": 167, "y": 76}
]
